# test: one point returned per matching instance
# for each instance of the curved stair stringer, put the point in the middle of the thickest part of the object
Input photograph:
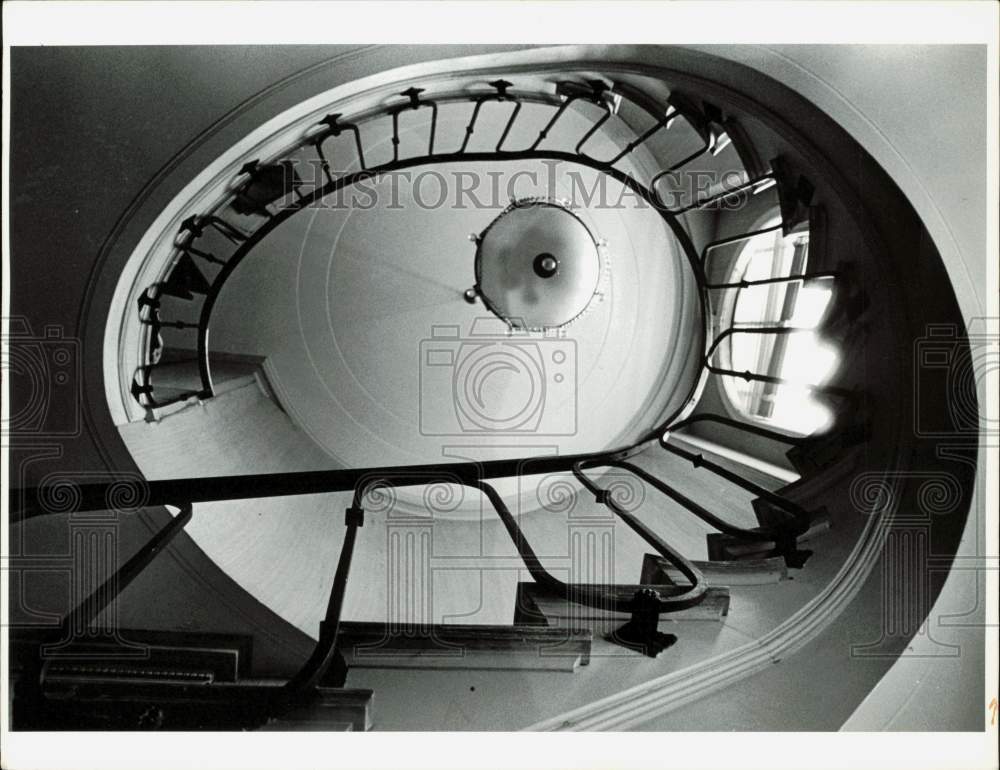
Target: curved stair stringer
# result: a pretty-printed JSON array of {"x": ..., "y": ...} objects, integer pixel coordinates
[
  {"x": 812, "y": 620},
  {"x": 640, "y": 704}
]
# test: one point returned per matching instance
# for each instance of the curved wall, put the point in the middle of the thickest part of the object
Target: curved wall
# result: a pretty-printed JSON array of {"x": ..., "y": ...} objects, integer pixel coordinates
[
  {"x": 349, "y": 305},
  {"x": 883, "y": 95},
  {"x": 788, "y": 70}
]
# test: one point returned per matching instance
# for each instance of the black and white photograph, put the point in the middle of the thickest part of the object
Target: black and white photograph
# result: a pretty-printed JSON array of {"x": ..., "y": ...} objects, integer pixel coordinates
[{"x": 455, "y": 373}]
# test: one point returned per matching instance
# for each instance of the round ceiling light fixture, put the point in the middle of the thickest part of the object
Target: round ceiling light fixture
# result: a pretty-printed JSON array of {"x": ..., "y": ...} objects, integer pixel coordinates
[{"x": 538, "y": 265}]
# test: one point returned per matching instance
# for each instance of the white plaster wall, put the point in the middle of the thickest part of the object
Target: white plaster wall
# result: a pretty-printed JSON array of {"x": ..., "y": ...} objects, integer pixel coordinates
[
  {"x": 343, "y": 301},
  {"x": 921, "y": 112}
]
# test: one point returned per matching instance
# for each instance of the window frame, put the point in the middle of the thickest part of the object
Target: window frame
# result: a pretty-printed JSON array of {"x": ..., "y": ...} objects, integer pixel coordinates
[{"x": 725, "y": 319}]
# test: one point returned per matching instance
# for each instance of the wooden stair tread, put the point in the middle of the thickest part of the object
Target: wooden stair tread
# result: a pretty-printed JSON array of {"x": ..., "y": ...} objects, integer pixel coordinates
[
  {"x": 744, "y": 572},
  {"x": 332, "y": 705},
  {"x": 139, "y": 654},
  {"x": 518, "y": 647},
  {"x": 724, "y": 548}
]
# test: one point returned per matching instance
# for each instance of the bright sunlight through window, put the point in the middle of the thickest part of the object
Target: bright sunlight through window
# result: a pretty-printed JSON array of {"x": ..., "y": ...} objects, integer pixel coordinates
[{"x": 800, "y": 356}]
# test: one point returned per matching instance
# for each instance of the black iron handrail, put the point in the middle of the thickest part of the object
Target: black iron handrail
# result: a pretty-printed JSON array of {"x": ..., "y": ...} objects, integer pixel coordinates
[
  {"x": 596, "y": 596},
  {"x": 32, "y": 502},
  {"x": 186, "y": 284},
  {"x": 333, "y": 125},
  {"x": 769, "y": 329},
  {"x": 595, "y": 92},
  {"x": 698, "y": 460},
  {"x": 325, "y": 651},
  {"x": 784, "y": 534},
  {"x": 87, "y": 610},
  {"x": 709, "y": 247},
  {"x": 143, "y": 386}
]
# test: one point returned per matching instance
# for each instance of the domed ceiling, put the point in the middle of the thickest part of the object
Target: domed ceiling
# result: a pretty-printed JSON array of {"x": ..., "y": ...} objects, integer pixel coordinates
[{"x": 373, "y": 348}]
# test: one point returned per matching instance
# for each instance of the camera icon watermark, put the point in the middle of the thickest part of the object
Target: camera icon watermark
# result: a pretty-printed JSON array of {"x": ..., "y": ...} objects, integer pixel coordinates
[
  {"x": 951, "y": 365},
  {"x": 44, "y": 375},
  {"x": 910, "y": 566},
  {"x": 497, "y": 381}
]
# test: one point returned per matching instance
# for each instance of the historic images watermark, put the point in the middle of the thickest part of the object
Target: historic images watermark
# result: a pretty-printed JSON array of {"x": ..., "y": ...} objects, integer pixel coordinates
[
  {"x": 459, "y": 372},
  {"x": 43, "y": 370},
  {"x": 951, "y": 366},
  {"x": 89, "y": 571},
  {"x": 420, "y": 558},
  {"x": 489, "y": 189}
]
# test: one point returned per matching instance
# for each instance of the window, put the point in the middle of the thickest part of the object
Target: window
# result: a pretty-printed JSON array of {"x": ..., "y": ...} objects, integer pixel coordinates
[{"x": 801, "y": 356}]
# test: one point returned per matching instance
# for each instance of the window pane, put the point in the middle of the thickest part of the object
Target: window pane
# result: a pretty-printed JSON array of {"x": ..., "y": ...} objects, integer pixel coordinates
[{"x": 800, "y": 357}]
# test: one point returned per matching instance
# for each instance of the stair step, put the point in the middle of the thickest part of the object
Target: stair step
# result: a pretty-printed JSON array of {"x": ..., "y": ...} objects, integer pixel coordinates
[
  {"x": 179, "y": 375},
  {"x": 749, "y": 572},
  {"x": 769, "y": 515},
  {"x": 306, "y": 724},
  {"x": 335, "y": 706},
  {"x": 724, "y": 548},
  {"x": 536, "y": 604},
  {"x": 179, "y": 368},
  {"x": 165, "y": 394},
  {"x": 217, "y": 706},
  {"x": 139, "y": 655},
  {"x": 517, "y": 647}
]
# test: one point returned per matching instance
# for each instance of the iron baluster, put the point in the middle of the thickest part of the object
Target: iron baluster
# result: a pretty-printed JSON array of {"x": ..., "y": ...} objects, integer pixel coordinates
[
  {"x": 699, "y": 461},
  {"x": 752, "y": 330},
  {"x": 749, "y": 376},
  {"x": 335, "y": 128},
  {"x": 736, "y": 239},
  {"x": 84, "y": 613},
  {"x": 592, "y": 596},
  {"x": 325, "y": 652},
  {"x": 632, "y": 145},
  {"x": 753, "y": 184},
  {"x": 744, "y": 284},
  {"x": 597, "y": 89},
  {"x": 593, "y": 129},
  {"x": 196, "y": 226},
  {"x": 415, "y": 103}
]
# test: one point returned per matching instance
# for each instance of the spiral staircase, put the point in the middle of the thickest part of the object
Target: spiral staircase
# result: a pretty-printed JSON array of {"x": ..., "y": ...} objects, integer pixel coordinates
[{"x": 745, "y": 539}]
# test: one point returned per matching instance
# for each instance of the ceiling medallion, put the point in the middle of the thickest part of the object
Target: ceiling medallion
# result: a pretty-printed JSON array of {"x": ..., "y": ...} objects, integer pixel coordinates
[{"x": 538, "y": 266}]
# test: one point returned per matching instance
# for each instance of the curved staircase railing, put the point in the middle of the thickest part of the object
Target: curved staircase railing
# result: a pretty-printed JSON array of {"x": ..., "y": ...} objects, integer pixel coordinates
[
  {"x": 271, "y": 192},
  {"x": 265, "y": 195},
  {"x": 268, "y": 193}
]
